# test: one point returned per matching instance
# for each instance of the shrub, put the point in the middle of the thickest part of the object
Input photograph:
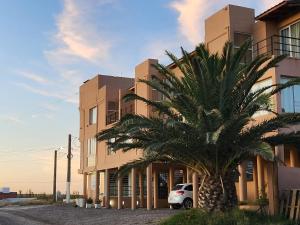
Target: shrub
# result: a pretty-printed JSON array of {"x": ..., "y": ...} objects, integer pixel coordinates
[
  {"x": 234, "y": 217},
  {"x": 89, "y": 201}
]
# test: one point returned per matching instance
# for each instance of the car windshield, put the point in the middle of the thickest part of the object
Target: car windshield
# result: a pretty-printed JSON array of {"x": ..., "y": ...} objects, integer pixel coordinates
[{"x": 178, "y": 187}]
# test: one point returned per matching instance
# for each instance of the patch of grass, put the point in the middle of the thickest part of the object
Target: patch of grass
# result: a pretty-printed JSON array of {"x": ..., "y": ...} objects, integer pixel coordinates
[
  {"x": 234, "y": 217},
  {"x": 26, "y": 203}
]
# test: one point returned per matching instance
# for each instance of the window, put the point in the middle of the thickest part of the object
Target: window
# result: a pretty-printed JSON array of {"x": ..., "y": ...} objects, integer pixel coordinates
[
  {"x": 259, "y": 85},
  {"x": 189, "y": 188},
  {"x": 238, "y": 40},
  {"x": 290, "y": 97},
  {"x": 91, "y": 147},
  {"x": 249, "y": 171},
  {"x": 162, "y": 185},
  {"x": 290, "y": 40},
  {"x": 126, "y": 184},
  {"x": 93, "y": 116},
  {"x": 93, "y": 181}
]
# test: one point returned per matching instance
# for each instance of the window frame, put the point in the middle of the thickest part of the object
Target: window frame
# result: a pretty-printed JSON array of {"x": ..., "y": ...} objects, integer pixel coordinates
[
  {"x": 93, "y": 112},
  {"x": 289, "y": 37}
]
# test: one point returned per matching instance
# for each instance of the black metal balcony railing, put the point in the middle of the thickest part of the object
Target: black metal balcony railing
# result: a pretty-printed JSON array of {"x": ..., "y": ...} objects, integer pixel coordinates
[
  {"x": 278, "y": 45},
  {"x": 112, "y": 117}
]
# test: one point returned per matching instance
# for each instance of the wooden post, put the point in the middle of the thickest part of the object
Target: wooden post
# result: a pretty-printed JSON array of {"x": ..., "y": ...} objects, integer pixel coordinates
[
  {"x": 242, "y": 182},
  {"x": 260, "y": 175},
  {"x": 141, "y": 184},
  {"x": 195, "y": 190},
  {"x": 133, "y": 189},
  {"x": 97, "y": 185},
  {"x": 106, "y": 189},
  {"x": 149, "y": 187},
  {"x": 119, "y": 181},
  {"x": 171, "y": 178},
  {"x": 155, "y": 189},
  {"x": 54, "y": 176}
]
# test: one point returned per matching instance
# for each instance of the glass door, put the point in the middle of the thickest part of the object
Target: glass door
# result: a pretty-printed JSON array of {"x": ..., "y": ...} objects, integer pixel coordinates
[{"x": 295, "y": 39}]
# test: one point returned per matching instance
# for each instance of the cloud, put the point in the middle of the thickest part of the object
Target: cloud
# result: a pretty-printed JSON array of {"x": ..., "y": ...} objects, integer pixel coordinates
[
  {"x": 78, "y": 35},
  {"x": 65, "y": 96},
  {"x": 34, "y": 77},
  {"x": 192, "y": 14},
  {"x": 270, "y": 3},
  {"x": 11, "y": 119},
  {"x": 190, "y": 18},
  {"x": 50, "y": 107}
]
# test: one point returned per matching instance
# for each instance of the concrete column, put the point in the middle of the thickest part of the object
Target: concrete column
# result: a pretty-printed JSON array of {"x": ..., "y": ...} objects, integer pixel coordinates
[
  {"x": 293, "y": 157},
  {"x": 119, "y": 181},
  {"x": 195, "y": 189},
  {"x": 184, "y": 176},
  {"x": 260, "y": 175},
  {"x": 171, "y": 178},
  {"x": 141, "y": 184},
  {"x": 97, "y": 185},
  {"x": 279, "y": 152},
  {"x": 106, "y": 189},
  {"x": 188, "y": 175},
  {"x": 155, "y": 189},
  {"x": 133, "y": 188},
  {"x": 242, "y": 181},
  {"x": 272, "y": 176},
  {"x": 256, "y": 194},
  {"x": 84, "y": 185},
  {"x": 149, "y": 187}
]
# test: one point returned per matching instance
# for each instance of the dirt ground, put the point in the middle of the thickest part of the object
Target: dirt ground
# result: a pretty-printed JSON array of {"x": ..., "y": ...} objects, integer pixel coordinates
[{"x": 68, "y": 215}]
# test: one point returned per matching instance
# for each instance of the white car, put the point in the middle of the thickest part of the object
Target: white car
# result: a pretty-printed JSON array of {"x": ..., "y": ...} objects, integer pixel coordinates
[{"x": 181, "y": 196}]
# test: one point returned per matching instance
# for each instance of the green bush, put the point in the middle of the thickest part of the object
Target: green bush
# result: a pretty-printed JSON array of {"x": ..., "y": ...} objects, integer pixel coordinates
[{"x": 234, "y": 217}]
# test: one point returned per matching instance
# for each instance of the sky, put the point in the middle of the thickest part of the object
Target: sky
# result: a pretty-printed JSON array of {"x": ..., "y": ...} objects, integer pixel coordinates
[{"x": 48, "y": 48}]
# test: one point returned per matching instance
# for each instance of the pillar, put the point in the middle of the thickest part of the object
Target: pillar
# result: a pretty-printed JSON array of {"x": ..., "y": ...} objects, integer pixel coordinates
[
  {"x": 106, "y": 189},
  {"x": 184, "y": 176},
  {"x": 279, "y": 153},
  {"x": 141, "y": 186},
  {"x": 242, "y": 181},
  {"x": 256, "y": 194},
  {"x": 188, "y": 175},
  {"x": 195, "y": 189},
  {"x": 272, "y": 187},
  {"x": 149, "y": 187},
  {"x": 84, "y": 185},
  {"x": 97, "y": 185},
  {"x": 171, "y": 178},
  {"x": 260, "y": 175},
  {"x": 119, "y": 181},
  {"x": 293, "y": 157},
  {"x": 155, "y": 189},
  {"x": 133, "y": 188}
]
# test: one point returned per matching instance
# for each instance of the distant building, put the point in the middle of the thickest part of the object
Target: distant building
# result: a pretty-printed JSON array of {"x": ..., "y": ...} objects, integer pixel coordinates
[{"x": 5, "y": 193}]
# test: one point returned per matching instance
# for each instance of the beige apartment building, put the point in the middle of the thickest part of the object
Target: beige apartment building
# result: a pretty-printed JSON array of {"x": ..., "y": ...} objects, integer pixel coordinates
[{"x": 275, "y": 31}]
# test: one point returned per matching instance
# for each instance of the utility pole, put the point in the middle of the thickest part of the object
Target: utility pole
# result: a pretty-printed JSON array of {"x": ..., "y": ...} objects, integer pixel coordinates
[
  {"x": 69, "y": 170},
  {"x": 54, "y": 176}
]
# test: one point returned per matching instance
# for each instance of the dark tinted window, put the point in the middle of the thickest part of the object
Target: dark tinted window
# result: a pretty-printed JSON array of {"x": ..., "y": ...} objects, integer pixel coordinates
[
  {"x": 177, "y": 187},
  {"x": 189, "y": 188}
]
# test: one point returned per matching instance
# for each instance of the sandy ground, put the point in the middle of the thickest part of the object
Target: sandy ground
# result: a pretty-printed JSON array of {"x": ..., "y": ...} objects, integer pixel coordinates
[{"x": 68, "y": 215}]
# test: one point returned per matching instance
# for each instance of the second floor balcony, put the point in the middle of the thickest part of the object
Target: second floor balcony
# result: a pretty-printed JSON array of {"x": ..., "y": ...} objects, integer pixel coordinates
[{"x": 278, "y": 45}]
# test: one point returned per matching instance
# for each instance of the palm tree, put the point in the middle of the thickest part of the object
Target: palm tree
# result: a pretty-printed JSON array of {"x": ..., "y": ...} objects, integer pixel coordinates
[{"x": 203, "y": 120}]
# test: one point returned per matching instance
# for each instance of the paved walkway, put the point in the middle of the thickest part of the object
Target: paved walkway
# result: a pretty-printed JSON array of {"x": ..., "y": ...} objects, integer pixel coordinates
[{"x": 67, "y": 215}]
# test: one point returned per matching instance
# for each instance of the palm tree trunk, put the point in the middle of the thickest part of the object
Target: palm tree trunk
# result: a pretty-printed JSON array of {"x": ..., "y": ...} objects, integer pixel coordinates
[{"x": 216, "y": 194}]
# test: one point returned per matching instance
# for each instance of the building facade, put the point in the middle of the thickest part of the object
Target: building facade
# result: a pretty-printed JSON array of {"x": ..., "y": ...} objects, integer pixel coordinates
[{"x": 276, "y": 31}]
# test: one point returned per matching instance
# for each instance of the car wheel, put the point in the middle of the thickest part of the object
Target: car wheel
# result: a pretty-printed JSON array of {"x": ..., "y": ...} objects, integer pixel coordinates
[
  {"x": 188, "y": 203},
  {"x": 176, "y": 206}
]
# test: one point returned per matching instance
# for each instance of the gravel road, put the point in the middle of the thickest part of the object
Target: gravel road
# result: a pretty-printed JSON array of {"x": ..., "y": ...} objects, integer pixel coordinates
[{"x": 68, "y": 215}]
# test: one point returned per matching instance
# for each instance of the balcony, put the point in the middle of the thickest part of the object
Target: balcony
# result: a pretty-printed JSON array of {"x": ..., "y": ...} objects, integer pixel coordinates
[
  {"x": 112, "y": 117},
  {"x": 278, "y": 45}
]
